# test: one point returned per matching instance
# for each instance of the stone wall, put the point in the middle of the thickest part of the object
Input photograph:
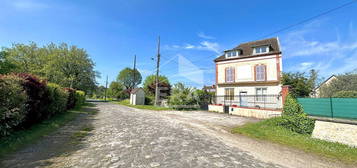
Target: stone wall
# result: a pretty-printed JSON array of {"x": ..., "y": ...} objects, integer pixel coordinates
[
  {"x": 216, "y": 108},
  {"x": 336, "y": 132},
  {"x": 255, "y": 113}
]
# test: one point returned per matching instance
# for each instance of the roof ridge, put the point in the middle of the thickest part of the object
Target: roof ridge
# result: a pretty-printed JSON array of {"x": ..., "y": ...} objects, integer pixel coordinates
[{"x": 257, "y": 40}]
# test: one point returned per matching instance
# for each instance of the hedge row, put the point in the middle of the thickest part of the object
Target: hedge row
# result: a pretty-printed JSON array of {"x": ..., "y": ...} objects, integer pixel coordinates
[{"x": 26, "y": 100}]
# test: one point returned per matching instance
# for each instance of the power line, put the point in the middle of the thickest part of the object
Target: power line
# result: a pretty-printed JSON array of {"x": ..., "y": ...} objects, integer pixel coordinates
[{"x": 309, "y": 19}]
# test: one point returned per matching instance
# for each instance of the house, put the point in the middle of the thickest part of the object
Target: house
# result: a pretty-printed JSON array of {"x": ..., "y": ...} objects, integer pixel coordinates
[
  {"x": 249, "y": 75},
  {"x": 317, "y": 90},
  {"x": 211, "y": 89},
  {"x": 137, "y": 96}
]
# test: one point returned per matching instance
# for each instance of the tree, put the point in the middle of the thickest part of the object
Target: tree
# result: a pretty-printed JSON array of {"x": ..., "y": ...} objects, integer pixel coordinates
[
  {"x": 182, "y": 97},
  {"x": 129, "y": 78},
  {"x": 345, "y": 82},
  {"x": 302, "y": 84},
  {"x": 68, "y": 66},
  {"x": 99, "y": 92},
  {"x": 150, "y": 85},
  {"x": 5, "y": 65},
  {"x": 116, "y": 90},
  {"x": 203, "y": 97}
]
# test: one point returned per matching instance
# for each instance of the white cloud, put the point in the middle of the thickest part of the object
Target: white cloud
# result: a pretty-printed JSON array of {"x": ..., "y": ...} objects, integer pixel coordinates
[
  {"x": 204, "y": 36},
  {"x": 28, "y": 5},
  {"x": 211, "y": 46},
  {"x": 328, "y": 56},
  {"x": 189, "y": 46},
  {"x": 204, "y": 45}
]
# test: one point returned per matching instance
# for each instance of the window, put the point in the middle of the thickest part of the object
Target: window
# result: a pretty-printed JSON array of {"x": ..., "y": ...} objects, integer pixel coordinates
[
  {"x": 230, "y": 54},
  {"x": 260, "y": 73},
  {"x": 261, "y": 94},
  {"x": 230, "y": 74},
  {"x": 261, "y": 50},
  {"x": 229, "y": 94}
]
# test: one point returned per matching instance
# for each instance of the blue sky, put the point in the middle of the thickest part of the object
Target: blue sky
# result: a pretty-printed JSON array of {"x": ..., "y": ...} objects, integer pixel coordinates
[{"x": 192, "y": 32}]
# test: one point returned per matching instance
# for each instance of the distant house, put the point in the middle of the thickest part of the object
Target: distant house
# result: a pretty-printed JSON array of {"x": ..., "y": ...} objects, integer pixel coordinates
[
  {"x": 317, "y": 90},
  {"x": 211, "y": 89},
  {"x": 246, "y": 74},
  {"x": 137, "y": 96}
]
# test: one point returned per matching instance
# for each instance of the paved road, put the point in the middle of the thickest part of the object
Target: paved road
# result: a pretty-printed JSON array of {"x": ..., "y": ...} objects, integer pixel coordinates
[{"x": 126, "y": 137}]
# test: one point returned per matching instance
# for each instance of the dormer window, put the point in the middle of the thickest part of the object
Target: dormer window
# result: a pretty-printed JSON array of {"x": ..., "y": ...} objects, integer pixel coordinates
[
  {"x": 230, "y": 54},
  {"x": 261, "y": 50}
]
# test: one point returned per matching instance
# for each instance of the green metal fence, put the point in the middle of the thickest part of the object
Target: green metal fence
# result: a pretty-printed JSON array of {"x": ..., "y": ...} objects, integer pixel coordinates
[{"x": 330, "y": 107}]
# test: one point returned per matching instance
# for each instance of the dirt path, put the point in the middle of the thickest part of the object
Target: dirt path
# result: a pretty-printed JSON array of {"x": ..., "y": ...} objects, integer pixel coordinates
[{"x": 127, "y": 137}]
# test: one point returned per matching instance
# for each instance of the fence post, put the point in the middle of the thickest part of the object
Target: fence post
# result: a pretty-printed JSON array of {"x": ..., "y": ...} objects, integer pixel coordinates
[{"x": 331, "y": 107}]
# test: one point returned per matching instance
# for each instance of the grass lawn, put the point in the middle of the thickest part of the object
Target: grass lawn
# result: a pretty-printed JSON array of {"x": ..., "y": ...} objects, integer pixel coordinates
[
  {"x": 21, "y": 138},
  {"x": 146, "y": 107},
  {"x": 268, "y": 130}
]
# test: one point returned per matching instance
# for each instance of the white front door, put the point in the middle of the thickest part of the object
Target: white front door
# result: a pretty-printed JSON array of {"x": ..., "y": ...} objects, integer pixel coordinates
[{"x": 243, "y": 99}]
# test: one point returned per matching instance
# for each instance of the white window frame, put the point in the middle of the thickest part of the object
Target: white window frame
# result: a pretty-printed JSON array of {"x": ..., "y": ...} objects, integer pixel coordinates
[
  {"x": 229, "y": 54},
  {"x": 260, "y": 48},
  {"x": 261, "y": 97},
  {"x": 229, "y": 74},
  {"x": 262, "y": 74},
  {"x": 230, "y": 96}
]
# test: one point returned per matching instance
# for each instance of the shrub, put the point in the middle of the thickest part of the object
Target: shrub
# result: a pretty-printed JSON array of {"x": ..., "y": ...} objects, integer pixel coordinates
[
  {"x": 12, "y": 103},
  {"x": 149, "y": 100},
  {"x": 203, "y": 97},
  {"x": 71, "y": 101},
  {"x": 345, "y": 94},
  {"x": 38, "y": 98},
  {"x": 80, "y": 98},
  {"x": 291, "y": 106},
  {"x": 58, "y": 99},
  {"x": 182, "y": 97},
  {"x": 299, "y": 123},
  {"x": 294, "y": 117}
]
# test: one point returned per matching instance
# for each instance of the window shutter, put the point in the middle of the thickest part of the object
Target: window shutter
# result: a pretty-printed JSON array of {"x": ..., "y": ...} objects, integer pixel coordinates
[
  {"x": 229, "y": 74},
  {"x": 233, "y": 74},
  {"x": 260, "y": 72},
  {"x": 264, "y": 73},
  {"x": 226, "y": 74}
]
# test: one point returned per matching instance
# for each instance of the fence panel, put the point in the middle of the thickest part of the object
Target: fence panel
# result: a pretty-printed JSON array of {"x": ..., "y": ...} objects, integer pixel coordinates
[
  {"x": 316, "y": 107},
  {"x": 252, "y": 101},
  {"x": 344, "y": 108},
  {"x": 330, "y": 107}
]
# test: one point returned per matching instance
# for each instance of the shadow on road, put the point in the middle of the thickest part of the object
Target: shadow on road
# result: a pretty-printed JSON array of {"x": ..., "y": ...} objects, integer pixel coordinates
[{"x": 58, "y": 144}]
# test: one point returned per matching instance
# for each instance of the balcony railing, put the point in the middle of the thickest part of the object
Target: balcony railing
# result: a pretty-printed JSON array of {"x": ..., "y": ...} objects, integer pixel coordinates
[{"x": 250, "y": 101}]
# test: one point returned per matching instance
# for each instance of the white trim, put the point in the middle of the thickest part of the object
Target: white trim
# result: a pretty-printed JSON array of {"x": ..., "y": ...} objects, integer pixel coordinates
[
  {"x": 264, "y": 46},
  {"x": 237, "y": 54},
  {"x": 247, "y": 59}
]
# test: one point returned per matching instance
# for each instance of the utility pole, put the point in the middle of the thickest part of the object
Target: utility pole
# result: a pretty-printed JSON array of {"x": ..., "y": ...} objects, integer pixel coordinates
[
  {"x": 105, "y": 92},
  {"x": 157, "y": 92},
  {"x": 134, "y": 75}
]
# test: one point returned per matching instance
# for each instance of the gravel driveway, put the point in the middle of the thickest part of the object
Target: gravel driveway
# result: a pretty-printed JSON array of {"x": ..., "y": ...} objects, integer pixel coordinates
[{"x": 126, "y": 137}]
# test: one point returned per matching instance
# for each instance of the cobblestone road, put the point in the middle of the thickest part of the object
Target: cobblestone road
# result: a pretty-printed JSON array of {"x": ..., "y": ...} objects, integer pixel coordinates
[{"x": 126, "y": 137}]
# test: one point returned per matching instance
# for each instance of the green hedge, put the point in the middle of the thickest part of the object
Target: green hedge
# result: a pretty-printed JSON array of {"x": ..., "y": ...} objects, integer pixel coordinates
[
  {"x": 26, "y": 100},
  {"x": 294, "y": 118},
  {"x": 58, "y": 99},
  {"x": 80, "y": 98},
  {"x": 12, "y": 103}
]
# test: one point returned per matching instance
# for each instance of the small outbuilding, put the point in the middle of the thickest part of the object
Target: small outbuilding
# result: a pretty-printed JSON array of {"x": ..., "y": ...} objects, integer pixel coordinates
[{"x": 137, "y": 96}]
